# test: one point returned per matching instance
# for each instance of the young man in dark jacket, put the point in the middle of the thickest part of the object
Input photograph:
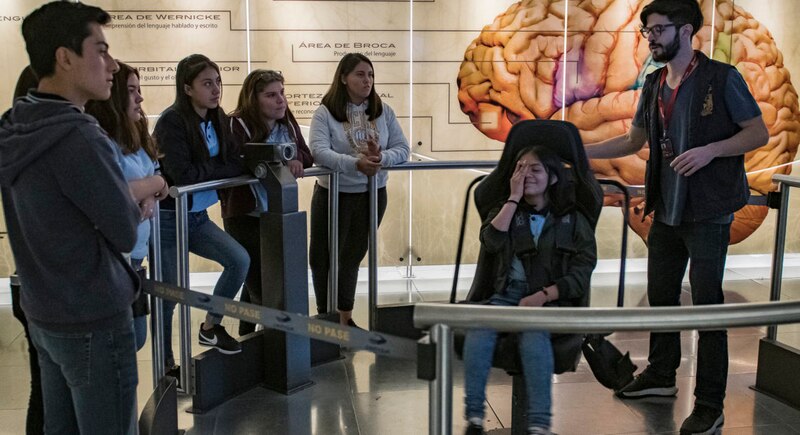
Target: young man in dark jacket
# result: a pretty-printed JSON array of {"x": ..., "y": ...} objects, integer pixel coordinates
[
  {"x": 70, "y": 214},
  {"x": 699, "y": 119}
]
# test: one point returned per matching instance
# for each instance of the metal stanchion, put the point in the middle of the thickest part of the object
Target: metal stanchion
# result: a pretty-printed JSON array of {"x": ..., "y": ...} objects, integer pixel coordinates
[
  {"x": 333, "y": 241},
  {"x": 778, "y": 254},
  {"x": 373, "y": 251},
  {"x": 156, "y": 314},
  {"x": 440, "y": 399},
  {"x": 182, "y": 240}
]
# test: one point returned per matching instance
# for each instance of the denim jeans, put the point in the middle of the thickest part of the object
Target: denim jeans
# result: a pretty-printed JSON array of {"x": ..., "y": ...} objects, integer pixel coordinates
[
  {"x": 88, "y": 380},
  {"x": 207, "y": 240},
  {"x": 139, "y": 322},
  {"x": 246, "y": 230},
  {"x": 670, "y": 248},
  {"x": 536, "y": 354}
]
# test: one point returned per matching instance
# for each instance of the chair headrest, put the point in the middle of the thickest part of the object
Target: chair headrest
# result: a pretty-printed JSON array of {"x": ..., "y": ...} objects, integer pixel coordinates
[{"x": 564, "y": 139}]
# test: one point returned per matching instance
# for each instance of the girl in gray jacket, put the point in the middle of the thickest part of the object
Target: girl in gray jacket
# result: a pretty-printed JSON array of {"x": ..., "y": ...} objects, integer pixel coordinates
[{"x": 355, "y": 133}]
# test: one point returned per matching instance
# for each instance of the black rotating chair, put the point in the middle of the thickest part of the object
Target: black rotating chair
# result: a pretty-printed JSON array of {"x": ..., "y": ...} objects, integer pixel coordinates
[{"x": 562, "y": 138}]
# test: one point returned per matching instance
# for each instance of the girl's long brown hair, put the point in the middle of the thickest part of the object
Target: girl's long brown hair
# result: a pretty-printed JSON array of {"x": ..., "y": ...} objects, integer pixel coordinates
[
  {"x": 112, "y": 114},
  {"x": 248, "y": 109},
  {"x": 336, "y": 98}
]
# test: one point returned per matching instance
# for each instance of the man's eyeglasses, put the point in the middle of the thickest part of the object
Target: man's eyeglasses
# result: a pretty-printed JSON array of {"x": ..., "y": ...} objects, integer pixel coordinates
[{"x": 656, "y": 30}]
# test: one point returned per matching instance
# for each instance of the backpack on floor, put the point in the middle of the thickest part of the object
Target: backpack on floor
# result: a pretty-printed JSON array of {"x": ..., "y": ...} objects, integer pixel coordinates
[{"x": 611, "y": 368}]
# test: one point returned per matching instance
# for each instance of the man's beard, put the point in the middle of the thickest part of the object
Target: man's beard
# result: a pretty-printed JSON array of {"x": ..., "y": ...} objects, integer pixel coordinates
[{"x": 669, "y": 52}]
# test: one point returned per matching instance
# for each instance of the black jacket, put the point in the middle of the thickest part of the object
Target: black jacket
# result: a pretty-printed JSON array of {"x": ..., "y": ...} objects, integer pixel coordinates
[
  {"x": 568, "y": 265},
  {"x": 720, "y": 187},
  {"x": 180, "y": 164}
]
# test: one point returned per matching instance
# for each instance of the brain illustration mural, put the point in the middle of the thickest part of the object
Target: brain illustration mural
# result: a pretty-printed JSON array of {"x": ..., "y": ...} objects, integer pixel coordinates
[{"x": 513, "y": 71}]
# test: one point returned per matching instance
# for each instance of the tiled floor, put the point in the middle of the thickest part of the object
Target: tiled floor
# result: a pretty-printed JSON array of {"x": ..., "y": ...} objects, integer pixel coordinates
[{"x": 365, "y": 394}]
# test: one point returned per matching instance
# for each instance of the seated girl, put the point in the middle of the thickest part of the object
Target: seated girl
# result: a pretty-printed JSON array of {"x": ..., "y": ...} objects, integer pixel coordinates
[{"x": 530, "y": 272}]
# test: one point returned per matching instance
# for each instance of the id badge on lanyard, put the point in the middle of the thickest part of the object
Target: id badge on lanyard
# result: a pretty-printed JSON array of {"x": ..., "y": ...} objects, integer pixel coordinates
[
  {"x": 667, "y": 151},
  {"x": 665, "y": 143}
]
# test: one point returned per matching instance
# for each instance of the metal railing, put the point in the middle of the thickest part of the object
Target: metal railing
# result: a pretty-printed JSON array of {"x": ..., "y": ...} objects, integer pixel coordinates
[
  {"x": 609, "y": 186},
  {"x": 182, "y": 242},
  {"x": 156, "y": 313},
  {"x": 598, "y": 320},
  {"x": 181, "y": 210},
  {"x": 372, "y": 189},
  {"x": 785, "y": 183},
  {"x": 586, "y": 320}
]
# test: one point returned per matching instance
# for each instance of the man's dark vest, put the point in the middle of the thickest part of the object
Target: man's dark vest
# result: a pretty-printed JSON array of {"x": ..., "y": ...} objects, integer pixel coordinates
[{"x": 720, "y": 187}]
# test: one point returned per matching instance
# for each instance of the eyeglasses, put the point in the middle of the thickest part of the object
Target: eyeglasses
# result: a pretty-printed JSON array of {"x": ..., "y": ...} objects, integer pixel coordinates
[{"x": 656, "y": 30}]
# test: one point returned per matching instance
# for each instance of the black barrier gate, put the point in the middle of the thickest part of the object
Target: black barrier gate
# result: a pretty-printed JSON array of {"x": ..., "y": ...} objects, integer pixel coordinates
[
  {"x": 161, "y": 407},
  {"x": 352, "y": 338}
]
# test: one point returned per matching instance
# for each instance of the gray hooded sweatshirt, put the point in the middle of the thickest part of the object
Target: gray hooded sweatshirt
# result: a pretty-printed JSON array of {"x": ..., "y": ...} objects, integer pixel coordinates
[{"x": 69, "y": 215}]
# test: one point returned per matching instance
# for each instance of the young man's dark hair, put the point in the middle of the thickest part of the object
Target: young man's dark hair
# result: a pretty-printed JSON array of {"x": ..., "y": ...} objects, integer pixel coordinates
[
  {"x": 58, "y": 24},
  {"x": 680, "y": 12}
]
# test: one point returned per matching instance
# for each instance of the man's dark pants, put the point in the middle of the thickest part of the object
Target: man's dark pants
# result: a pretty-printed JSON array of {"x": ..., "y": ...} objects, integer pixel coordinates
[{"x": 670, "y": 248}]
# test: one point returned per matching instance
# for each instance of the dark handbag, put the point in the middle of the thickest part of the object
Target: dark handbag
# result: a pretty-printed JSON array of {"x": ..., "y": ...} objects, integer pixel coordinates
[
  {"x": 611, "y": 368},
  {"x": 141, "y": 306}
]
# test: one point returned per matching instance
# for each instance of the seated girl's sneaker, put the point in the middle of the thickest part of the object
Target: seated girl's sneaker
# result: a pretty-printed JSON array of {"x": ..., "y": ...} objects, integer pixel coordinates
[{"x": 474, "y": 429}]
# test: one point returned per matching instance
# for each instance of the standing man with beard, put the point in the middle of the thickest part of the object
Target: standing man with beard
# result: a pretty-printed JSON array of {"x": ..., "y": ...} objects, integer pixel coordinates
[{"x": 699, "y": 119}]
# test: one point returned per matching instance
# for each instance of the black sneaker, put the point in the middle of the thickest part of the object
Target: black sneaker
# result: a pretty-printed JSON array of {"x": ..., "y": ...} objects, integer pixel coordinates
[
  {"x": 704, "y": 420},
  {"x": 474, "y": 429},
  {"x": 175, "y": 372},
  {"x": 352, "y": 324},
  {"x": 647, "y": 385},
  {"x": 218, "y": 337}
]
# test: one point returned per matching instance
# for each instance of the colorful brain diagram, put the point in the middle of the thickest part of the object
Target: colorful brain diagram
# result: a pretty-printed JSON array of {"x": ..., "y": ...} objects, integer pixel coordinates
[{"x": 514, "y": 71}]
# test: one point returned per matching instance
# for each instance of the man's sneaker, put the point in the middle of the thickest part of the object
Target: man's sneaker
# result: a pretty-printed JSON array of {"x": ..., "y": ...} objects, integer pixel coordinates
[
  {"x": 704, "y": 420},
  {"x": 474, "y": 429},
  {"x": 218, "y": 337},
  {"x": 647, "y": 385},
  {"x": 536, "y": 430}
]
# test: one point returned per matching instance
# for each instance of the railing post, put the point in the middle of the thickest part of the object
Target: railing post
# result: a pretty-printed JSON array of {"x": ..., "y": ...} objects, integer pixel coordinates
[
  {"x": 373, "y": 251},
  {"x": 156, "y": 314},
  {"x": 440, "y": 399},
  {"x": 778, "y": 254},
  {"x": 182, "y": 240},
  {"x": 333, "y": 241},
  {"x": 410, "y": 253}
]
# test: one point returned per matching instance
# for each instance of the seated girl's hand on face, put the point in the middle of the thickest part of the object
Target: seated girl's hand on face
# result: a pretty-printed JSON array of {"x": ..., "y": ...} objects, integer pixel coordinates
[{"x": 518, "y": 180}]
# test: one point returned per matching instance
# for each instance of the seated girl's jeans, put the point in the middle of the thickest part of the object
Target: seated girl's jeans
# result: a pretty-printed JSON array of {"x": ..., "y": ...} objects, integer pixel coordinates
[{"x": 536, "y": 354}]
